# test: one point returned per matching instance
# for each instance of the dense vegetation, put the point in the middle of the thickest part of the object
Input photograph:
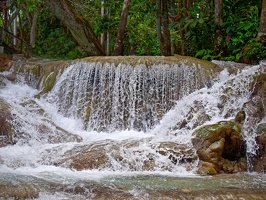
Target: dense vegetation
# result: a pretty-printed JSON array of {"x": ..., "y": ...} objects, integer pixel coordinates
[{"x": 196, "y": 29}]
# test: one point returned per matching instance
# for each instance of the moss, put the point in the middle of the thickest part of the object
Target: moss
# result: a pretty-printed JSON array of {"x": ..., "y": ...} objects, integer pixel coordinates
[
  {"x": 49, "y": 82},
  {"x": 214, "y": 130},
  {"x": 36, "y": 70},
  {"x": 261, "y": 129}
]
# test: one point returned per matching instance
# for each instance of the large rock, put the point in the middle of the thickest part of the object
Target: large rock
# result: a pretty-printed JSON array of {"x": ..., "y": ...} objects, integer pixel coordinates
[
  {"x": 4, "y": 61},
  {"x": 10, "y": 190},
  {"x": 259, "y": 161},
  {"x": 131, "y": 155},
  {"x": 180, "y": 154},
  {"x": 84, "y": 157},
  {"x": 6, "y": 129},
  {"x": 220, "y": 147},
  {"x": 254, "y": 110},
  {"x": 255, "y": 107}
]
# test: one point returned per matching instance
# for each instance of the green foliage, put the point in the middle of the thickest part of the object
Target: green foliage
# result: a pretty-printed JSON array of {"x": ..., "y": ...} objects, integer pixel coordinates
[
  {"x": 57, "y": 44},
  {"x": 238, "y": 32},
  {"x": 237, "y": 40},
  {"x": 206, "y": 54},
  {"x": 140, "y": 29},
  {"x": 198, "y": 25},
  {"x": 241, "y": 27},
  {"x": 53, "y": 39}
]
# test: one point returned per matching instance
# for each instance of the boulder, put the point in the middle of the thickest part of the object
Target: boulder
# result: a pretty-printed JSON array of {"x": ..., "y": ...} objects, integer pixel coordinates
[
  {"x": 219, "y": 147},
  {"x": 4, "y": 62},
  {"x": 255, "y": 107},
  {"x": 87, "y": 157},
  {"x": 10, "y": 190},
  {"x": 6, "y": 129},
  {"x": 128, "y": 154},
  {"x": 259, "y": 161},
  {"x": 91, "y": 156},
  {"x": 180, "y": 154}
]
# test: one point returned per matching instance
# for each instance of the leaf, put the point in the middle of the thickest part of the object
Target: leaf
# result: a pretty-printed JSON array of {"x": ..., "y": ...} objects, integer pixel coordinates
[
  {"x": 201, "y": 53},
  {"x": 201, "y": 21},
  {"x": 238, "y": 56}
]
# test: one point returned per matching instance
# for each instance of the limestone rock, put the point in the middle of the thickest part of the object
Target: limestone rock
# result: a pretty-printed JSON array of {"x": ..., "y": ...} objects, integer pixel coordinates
[
  {"x": 180, "y": 154},
  {"x": 18, "y": 191},
  {"x": 11, "y": 77},
  {"x": 259, "y": 162},
  {"x": 128, "y": 154},
  {"x": 4, "y": 61},
  {"x": 84, "y": 157},
  {"x": 206, "y": 168},
  {"x": 221, "y": 145},
  {"x": 6, "y": 129}
]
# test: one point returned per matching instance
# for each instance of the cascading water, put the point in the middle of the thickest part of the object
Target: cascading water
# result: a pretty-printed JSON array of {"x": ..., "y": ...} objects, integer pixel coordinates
[
  {"x": 126, "y": 129},
  {"x": 109, "y": 97}
]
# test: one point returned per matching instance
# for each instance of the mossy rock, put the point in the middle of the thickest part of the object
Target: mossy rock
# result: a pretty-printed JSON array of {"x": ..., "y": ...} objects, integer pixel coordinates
[
  {"x": 216, "y": 131},
  {"x": 49, "y": 82},
  {"x": 206, "y": 168},
  {"x": 261, "y": 129},
  {"x": 219, "y": 143}
]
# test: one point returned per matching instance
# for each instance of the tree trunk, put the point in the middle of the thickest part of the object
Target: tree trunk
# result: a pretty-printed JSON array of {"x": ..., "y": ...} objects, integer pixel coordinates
[
  {"x": 33, "y": 28},
  {"x": 262, "y": 27},
  {"x": 78, "y": 26},
  {"x": 13, "y": 17},
  {"x": 102, "y": 15},
  {"x": 166, "y": 38},
  {"x": 218, "y": 22},
  {"x": 218, "y": 12},
  {"x": 159, "y": 23},
  {"x": 118, "y": 49},
  {"x": 181, "y": 5}
]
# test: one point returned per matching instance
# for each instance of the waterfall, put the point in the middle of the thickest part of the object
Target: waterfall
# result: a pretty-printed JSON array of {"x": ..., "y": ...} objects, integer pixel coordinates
[
  {"x": 125, "y": 127},
  {"x": 109, "y": 97}
]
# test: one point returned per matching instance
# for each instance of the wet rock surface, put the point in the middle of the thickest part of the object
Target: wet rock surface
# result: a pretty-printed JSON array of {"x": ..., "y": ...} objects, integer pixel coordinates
[
  {"x": 128, "y": 155},
  {"x": 4, "y": 61},
  {"x": 259, "y": 161},
  {"x": 18, "y": 191},
  {"x": 6, "y": 129},
  {"x": 220, "y": 147},
  {"x": 180, "y": 154}
]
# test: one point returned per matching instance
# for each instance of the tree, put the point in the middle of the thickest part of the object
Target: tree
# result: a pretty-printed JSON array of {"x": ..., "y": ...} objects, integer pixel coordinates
[
  {"x": 183, "y": 7},
  {"x": 218, "y": 22},
  {"x": 162, "y": 27},
  {"x": 159, "y": 23},
  {"x": 262, "y": 27},
  {"x": 78, "y": 26},
  {"x": 118, "y": 48}
]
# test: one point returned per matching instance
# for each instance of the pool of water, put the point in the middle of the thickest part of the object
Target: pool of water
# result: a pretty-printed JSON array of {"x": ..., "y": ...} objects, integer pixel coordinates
[{"x": 105, "y": 185}]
